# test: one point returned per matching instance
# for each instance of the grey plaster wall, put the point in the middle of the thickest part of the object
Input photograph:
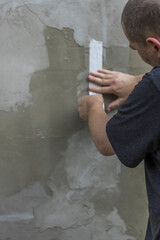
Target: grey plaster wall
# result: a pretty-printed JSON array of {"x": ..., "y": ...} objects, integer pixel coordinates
[{"x": 54, "y": 185}]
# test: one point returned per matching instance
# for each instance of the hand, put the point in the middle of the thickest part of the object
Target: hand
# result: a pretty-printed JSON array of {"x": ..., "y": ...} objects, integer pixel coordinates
[
  {"x": 112, "y": 82},
  {"x": 88, "y": 102}
]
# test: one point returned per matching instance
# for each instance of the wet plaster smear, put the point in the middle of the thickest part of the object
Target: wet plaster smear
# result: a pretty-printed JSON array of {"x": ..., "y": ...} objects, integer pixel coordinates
[{"x": 54, "y": 185}]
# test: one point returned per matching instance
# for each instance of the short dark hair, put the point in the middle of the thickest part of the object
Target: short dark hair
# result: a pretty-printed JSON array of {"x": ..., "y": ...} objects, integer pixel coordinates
[{"x": 141, "y": 18}]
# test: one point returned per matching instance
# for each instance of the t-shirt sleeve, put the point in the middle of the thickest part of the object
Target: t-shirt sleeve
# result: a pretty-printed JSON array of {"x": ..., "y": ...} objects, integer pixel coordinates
[{"x": 135, "y": 130}]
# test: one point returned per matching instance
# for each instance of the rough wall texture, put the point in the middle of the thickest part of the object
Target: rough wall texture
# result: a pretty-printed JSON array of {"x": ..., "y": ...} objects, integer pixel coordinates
[{"x": 54, "y": 185}]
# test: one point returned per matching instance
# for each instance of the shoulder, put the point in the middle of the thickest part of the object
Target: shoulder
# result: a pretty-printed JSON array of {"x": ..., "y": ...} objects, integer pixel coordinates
[
  {"x": 148, "y": 88},
  {"x": 154, "y": 72},
  {"x": 153, "y": 77}
]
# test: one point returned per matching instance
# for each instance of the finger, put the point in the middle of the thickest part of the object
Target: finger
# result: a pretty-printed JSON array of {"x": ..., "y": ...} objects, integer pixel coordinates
[
  {"x": 114, "y": 104},
  {"x": 101, "y": 75},
  {"x": 100, "y": 81},
  {"x": 101, "y": 89},
  {"x": 106, "y": 71},
  {"x": 96, "y": 74},
  {"x": 108, "y": 74}
]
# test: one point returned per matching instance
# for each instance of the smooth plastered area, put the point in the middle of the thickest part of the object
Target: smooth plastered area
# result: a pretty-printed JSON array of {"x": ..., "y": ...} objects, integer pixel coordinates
[{"x": 54, "y": 185}]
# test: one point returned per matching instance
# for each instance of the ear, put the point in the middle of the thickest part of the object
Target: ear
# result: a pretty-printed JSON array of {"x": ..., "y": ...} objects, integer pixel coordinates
[{"x": 155, "y": 43}]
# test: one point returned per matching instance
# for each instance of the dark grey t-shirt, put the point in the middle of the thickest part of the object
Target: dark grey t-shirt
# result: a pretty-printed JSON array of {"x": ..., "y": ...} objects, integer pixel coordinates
[{"x": 134, "y": 133}]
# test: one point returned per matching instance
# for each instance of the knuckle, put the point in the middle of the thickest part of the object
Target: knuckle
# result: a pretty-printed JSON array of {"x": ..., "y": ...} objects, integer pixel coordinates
[
  {"x": 115, "y": 81},
  {"x": 102, "y": 81},
  {"x": 112, "y": 89},
  {"x": 100, "y": 89}
]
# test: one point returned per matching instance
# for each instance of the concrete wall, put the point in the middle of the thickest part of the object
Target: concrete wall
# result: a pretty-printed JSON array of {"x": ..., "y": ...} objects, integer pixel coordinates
[{"x": 54, "y": 185}]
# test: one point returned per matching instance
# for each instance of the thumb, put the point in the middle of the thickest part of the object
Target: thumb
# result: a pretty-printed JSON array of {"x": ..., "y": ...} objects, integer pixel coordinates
[{"x": 116, "y": 103}]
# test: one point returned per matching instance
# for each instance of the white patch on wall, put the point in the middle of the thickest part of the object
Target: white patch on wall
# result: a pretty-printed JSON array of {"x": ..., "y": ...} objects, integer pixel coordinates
[
  {"x": 59, "y": 212},
  {"x": 20, "y": 206},
  {"x": 22, "y": 52},
  {"x": 88, "y": 18},
  {"x": 86, "y": 167},
  {"x": 97, "y": 20},
  {"x": 86, "y": 174},
  {"x": 118, "y": 229},
  {"x": 101, "y": 227}
]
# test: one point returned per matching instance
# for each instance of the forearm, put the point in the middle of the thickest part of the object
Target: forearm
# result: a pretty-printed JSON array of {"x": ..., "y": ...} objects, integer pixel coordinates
[{"x": 97, "y": 120}]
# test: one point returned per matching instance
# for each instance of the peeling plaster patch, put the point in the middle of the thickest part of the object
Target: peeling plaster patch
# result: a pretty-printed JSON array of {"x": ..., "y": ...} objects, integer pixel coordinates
[
  {"x": 101, "y": 227},
  {"x": 100, "y": 21},
  {"x": 19, "y": 207},
  {"x": 118, "y": 229},
  {"x": 17, "y": 218},
  {"x": 86, "y": 167},
  {"x": 24, "y": 52},
  {"x": 59, "y": 212},
  {"x": 21, "y": 230},
  {"x": 77, "y": 220}
]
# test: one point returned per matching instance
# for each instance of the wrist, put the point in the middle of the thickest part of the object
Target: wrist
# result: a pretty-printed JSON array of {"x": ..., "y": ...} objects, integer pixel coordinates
[
  {"x": 95, "y": 100},
  {"x": 95, "y": 108}
]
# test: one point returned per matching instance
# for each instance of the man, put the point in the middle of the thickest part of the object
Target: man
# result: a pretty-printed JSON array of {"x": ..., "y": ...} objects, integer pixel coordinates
[{"x": 134, "y": 132}]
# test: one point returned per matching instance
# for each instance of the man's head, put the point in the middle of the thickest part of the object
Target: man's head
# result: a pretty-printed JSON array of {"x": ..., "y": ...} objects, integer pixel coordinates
[{"x": 141, "y": 25}]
